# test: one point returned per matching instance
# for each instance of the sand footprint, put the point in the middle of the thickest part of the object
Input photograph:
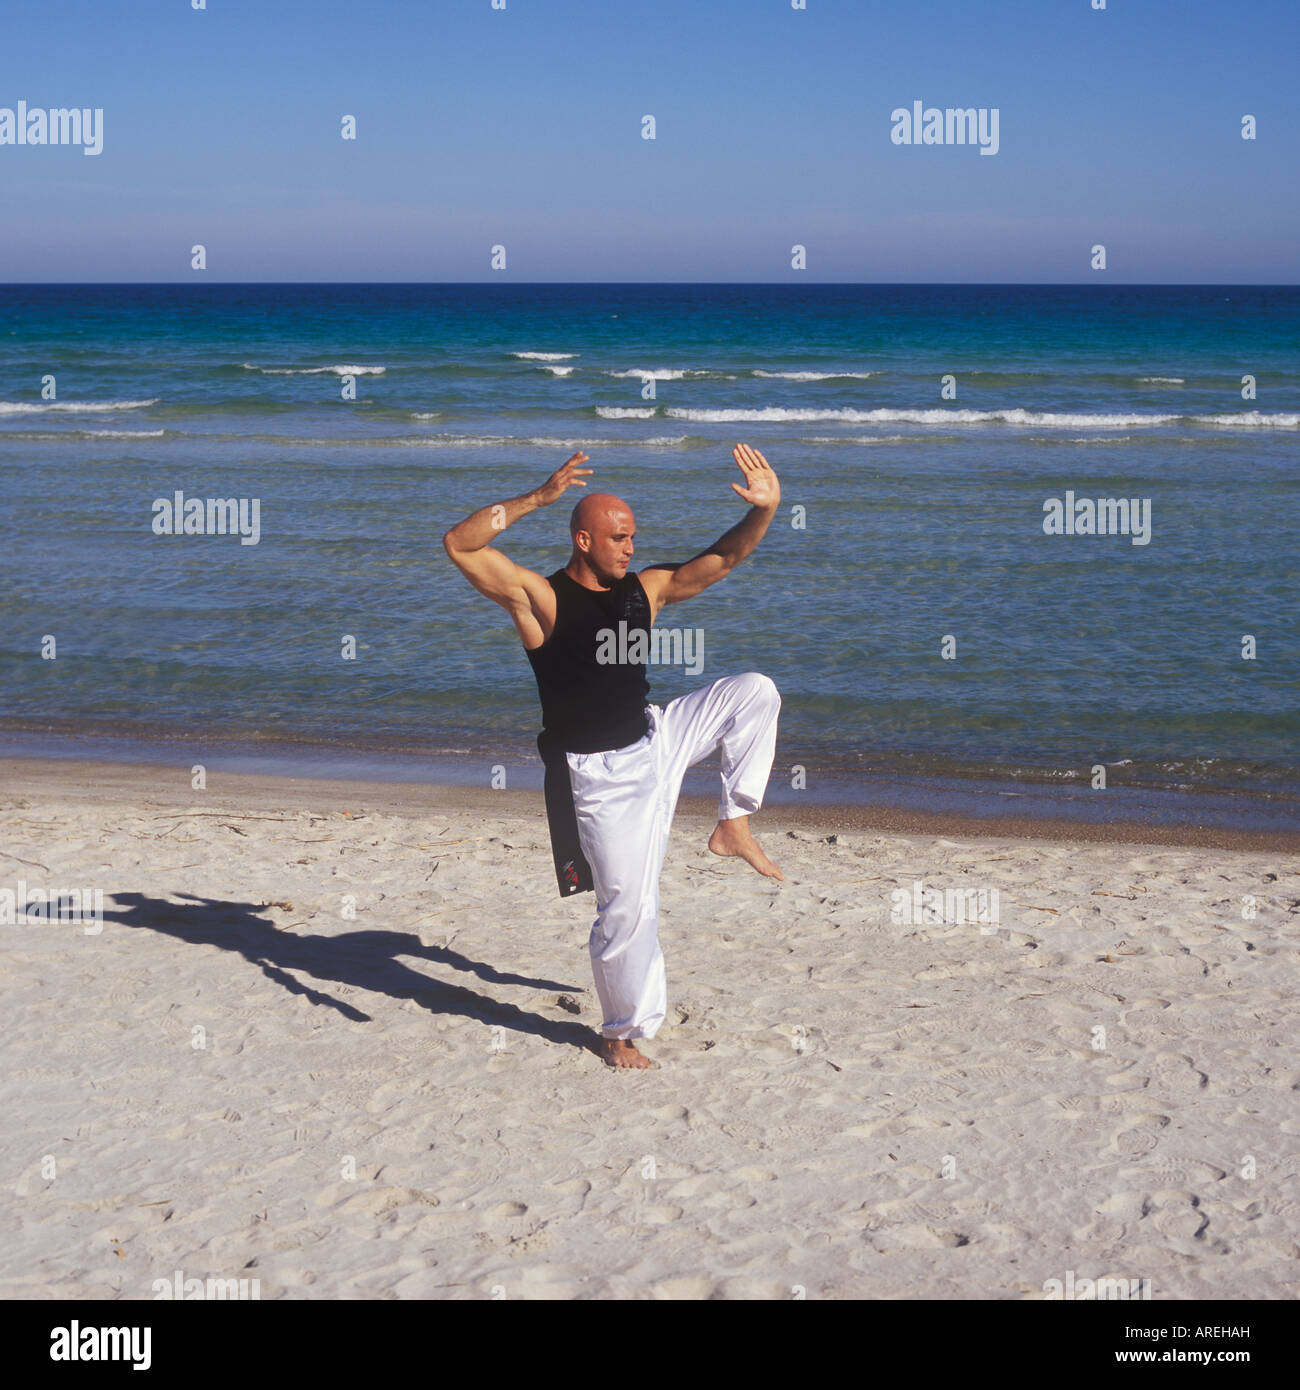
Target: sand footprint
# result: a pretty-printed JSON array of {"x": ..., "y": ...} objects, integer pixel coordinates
[
  {"x": 693, "y": 1287},
  {"x": 1141, "y": 1137},
  {"x": 1178, "y": 1216},
  {"x": 669, "y": 1113},
  {"x": 1177, "y": 1070},
  {"x": 923, "y": 1238},
  {"x": 660, "y": 1216},
  {"x": 1185, "y": 1170}
]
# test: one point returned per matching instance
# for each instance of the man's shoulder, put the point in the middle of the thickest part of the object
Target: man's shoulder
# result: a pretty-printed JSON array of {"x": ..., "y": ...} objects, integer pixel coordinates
[
  {"x": 544, "y": 581},
  {"x": 653, "y": 581}
]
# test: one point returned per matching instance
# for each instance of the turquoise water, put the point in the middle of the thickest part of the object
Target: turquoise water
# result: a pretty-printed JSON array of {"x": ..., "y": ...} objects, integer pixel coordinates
[{"x": 923, "y": 516}]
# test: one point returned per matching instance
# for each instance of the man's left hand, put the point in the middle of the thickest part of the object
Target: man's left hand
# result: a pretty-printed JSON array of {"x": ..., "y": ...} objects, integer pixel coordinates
[{"x": 761, "y": 486}]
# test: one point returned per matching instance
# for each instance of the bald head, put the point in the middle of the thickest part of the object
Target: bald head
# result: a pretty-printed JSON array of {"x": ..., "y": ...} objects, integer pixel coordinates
[
  {"x": 602, "y": 528},
  {"x": 598, "y": 511}
]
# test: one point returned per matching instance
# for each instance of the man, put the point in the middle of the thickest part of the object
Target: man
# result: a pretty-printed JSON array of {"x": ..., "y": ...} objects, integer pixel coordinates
[{"x": 619, "y": 760}]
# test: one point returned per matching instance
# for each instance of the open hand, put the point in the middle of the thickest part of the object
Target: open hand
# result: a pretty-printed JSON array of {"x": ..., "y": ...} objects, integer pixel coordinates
[
  {"x": 761, "y": 486},
  {"x": 566, "y": 476}
]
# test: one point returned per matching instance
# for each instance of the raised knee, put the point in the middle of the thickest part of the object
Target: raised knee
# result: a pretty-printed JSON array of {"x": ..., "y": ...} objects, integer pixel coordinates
[{"x": 763, "y": 687}]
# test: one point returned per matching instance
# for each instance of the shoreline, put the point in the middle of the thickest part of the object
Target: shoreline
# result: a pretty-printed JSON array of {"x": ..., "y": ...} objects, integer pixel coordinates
[
  {"x": 910, "y": 792},
  {"x": 96, "y": 781}
]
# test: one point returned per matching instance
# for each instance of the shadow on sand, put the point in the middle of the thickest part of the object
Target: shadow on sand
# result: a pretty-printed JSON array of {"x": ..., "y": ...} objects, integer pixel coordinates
[{"x": 363, "y": 959}]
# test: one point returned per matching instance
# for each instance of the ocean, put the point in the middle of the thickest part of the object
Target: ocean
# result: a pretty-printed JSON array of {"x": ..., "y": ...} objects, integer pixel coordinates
[{"x": 933, "y": 644}]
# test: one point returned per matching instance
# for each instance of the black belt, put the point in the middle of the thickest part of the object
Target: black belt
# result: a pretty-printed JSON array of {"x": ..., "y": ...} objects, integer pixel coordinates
[{"x": 572, "y": 872}]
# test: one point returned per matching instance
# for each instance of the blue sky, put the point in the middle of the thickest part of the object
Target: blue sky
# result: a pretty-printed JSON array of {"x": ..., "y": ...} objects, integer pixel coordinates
[{"x": 522, "y": 127}]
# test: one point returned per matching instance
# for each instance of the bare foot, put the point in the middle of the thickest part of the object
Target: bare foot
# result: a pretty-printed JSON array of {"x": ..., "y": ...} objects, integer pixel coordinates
[
  {"x": 618, "y": 1052},
  {"x": 733, "y": 837}
]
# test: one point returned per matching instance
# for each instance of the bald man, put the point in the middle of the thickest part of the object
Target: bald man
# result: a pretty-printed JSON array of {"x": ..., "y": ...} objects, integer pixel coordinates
[{"x": 619, "y": 760}]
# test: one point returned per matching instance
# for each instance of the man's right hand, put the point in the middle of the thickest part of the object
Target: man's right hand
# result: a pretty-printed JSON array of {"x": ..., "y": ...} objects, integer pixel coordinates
[{"x": 567, "y": 476}]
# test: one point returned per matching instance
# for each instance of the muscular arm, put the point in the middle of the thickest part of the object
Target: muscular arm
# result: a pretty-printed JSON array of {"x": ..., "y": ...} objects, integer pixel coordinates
[
  {"x": 469, "y": 547},
  {"x": 673, "y": 583}
]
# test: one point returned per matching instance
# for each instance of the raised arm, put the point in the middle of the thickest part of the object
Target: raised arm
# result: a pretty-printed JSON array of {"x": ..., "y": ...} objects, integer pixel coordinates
[
  {"x": 469, "y": 546},
  {"x": 673, "y": 583}
]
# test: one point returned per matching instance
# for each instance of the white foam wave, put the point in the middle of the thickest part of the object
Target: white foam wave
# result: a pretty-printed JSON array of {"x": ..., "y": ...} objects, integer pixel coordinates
[
  {"x": 1164, "y": 380},
  {"x": 1250, "y": 419},
  {"x": 659, "y": 441},
  {"x": 544, "y": 356},
  {"x": 816, "y": 376},
  {"x": 344, "y": 369},
  {"x": 634, "y": 412},
  {"x": 662, "y": 373},
  {"x": 558, "y": 371},
  {"x": 121, "y": 434},
  {"x": 859, "y": 439},
  {"x": 61, "y": 436},
  {"x": 1094, "y": 439},
  {"x": 70, "y": 407},
  {"x": 427, "y": 415},
  {"x": 452, "y": 441},
  {"x": 1253, "y": 419},
  {"x": 412, "y": 441}
]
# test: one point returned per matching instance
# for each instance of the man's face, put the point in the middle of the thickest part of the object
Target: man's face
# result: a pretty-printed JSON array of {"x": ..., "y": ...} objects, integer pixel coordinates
[{"x": 610, "y": 549}]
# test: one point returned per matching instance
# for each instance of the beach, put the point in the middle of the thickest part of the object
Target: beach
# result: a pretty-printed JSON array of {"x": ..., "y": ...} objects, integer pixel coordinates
[
  {"x": 333, "y": 1041},
  {"x": 1015, "y": 1023}
]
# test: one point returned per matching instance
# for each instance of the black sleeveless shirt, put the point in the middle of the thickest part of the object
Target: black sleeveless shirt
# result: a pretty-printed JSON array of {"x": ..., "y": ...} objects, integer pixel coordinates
[{"x": 589, "y": 705}]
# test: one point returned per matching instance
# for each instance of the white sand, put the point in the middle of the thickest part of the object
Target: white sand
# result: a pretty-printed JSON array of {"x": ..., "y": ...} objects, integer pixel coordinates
[{"x": 822, "y": 1067}]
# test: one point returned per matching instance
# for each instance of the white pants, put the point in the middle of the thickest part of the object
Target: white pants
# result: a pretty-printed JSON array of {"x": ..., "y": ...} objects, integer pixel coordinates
[{"x": 625, "y": 801}]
